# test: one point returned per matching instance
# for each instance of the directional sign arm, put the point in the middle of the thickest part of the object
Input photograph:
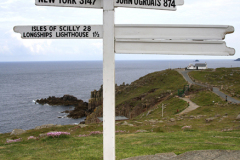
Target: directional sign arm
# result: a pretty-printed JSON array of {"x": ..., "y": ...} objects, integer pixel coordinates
[
  {"x": 179, "y": 2},
  {"x": 174, "y": 32},
  {"x": 71, "y": 3},
  {"x": 170, "y": 47},
  {"x": 60, "y": 31},
  {"x": 149, "y": 4}
]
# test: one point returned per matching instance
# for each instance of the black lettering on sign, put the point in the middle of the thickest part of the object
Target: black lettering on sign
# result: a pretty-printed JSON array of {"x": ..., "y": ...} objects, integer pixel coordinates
[
  {"x": 72, "y": 34},
  {"x": 87, "y": 28},
  {"x": 164, "y": 3},
  {"x": 169, "y": 3},
  {"x": 124, "y": 1},
  {"x": 39, "y": 28},
  {"x": 37, "y": 34},
  {"x": 46, "y": 1},
  {"x": 68, "y": 1},
  {"x": 90, "y": 2}
]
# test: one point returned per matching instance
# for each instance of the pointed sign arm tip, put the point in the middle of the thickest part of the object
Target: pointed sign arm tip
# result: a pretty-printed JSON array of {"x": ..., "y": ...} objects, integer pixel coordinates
[
  {"x": 231, "y": 51},
  {"x": 14, "y": 29},
  {"x": 180, "y": 2},
  {"x": 230, "y": 30}
]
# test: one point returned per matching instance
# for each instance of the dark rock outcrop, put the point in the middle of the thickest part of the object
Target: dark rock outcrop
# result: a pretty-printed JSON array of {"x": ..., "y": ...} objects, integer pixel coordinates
[
  {"x": 66, "y": 100},
  {"x": 80, "y": 107}
]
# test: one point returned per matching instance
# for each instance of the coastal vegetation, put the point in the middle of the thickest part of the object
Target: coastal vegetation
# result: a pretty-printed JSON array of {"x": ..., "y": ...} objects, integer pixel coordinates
[
  {"x": 226, "y": 79},
  {"x": 214, "y": 125}
]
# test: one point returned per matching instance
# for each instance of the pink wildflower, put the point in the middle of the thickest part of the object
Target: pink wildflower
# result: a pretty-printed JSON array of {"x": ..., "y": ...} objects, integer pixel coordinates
[
  {"x": 15, "y": 140},
  {"x": 83, "y": 135},
  {"x": 187, "y": 127},
  {"x": 57, "y": 134},
  {"x": 32, "y": 137}
]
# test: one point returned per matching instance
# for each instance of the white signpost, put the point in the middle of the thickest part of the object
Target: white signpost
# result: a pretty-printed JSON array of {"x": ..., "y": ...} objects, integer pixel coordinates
[{"x": 147, "y": 39}]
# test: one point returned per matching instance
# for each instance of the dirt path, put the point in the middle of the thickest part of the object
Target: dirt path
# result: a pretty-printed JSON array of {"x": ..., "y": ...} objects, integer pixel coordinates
[
  {"x": 192, "y": 106},
  {"x": 184, "y": 73}
]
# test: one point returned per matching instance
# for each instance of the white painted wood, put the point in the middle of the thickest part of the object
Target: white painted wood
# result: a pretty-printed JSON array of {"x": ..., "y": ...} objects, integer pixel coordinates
[
  {"x": 108, "y": 81},
  {"x": 60, "y": 31},
  {"x": 149, "y": 4},
  {"x": 178, "y": 32},
  {"x": 184, "y": 32},
  {"x": 70, "y": 3},
  {"x": 171, "y": 47}
]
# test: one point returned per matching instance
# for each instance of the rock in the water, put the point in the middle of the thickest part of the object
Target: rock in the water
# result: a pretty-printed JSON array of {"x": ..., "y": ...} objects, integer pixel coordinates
[
  {"x": 238, "y": 117},
  {"x": 69, "y": 98},
  {"x": 83, "y": 122},
  {"x": 17, "y": 132}
]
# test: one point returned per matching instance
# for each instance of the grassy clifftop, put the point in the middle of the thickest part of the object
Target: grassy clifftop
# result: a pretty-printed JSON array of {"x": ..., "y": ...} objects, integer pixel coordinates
[
  {"x": 211, "y": 126},
  {"x": 144, "y": 93},
  {"x": 227, "y": 79}
]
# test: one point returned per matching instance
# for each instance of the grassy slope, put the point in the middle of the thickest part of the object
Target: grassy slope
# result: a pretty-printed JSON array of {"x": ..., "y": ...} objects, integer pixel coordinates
[
  {"x": 161, "y": 137},
  {"x": 228, "y": 77},
  {"x": 162, "y": 81}
]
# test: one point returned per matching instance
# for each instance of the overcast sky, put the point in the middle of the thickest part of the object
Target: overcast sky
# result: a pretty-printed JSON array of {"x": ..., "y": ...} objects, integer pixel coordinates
[{"x": 24, "y": 12}]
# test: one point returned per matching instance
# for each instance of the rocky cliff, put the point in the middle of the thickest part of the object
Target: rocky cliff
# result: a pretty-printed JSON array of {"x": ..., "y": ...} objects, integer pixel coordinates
[
  {"x": 140, "y": 95},
  {"x": 131, "y": 100}
]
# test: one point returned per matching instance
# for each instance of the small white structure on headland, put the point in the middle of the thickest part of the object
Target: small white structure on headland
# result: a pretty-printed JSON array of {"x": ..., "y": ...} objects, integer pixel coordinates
[{"x": 197, "y": 66}]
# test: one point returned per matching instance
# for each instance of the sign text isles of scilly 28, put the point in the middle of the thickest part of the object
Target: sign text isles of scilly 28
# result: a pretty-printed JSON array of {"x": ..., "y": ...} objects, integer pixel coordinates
[{"x": 61, "y": 31}]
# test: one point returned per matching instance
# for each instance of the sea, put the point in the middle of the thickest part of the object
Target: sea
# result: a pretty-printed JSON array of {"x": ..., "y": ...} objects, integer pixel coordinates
[{"x": 22, "y": 83}]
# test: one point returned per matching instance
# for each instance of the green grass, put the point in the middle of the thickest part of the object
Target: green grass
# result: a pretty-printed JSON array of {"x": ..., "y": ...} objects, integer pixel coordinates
[
  {"x": 161, "y": 135},
  {"x": 228, "y": 78},
  {"x": 207, "y": 98},
  {"x": 161, "y": 81},
  {"x": 127, "y": 145}
]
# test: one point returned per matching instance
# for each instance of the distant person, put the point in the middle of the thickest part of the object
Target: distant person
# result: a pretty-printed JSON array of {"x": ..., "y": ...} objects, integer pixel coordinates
[{"x": 226, "y": 99}]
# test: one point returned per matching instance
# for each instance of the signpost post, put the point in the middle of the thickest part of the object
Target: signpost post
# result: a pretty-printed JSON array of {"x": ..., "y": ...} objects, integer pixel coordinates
[
  {"x": 147, "y": 39},
  {"x": 108, "y": 81}
]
